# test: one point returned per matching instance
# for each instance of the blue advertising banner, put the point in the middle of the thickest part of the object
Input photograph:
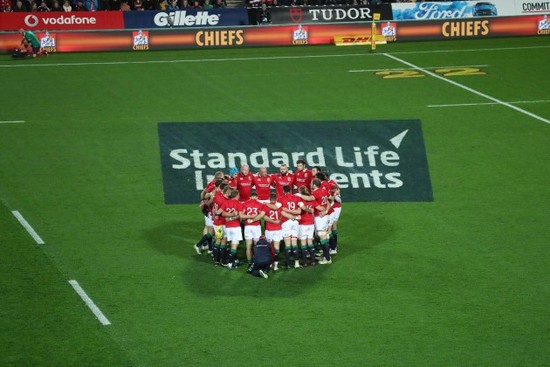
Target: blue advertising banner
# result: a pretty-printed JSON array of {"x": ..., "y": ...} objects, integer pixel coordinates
[
  {"x": 185, "y": 18},
  {"x": 369, "y": 160},
  {"x": 443, "y": 10}
]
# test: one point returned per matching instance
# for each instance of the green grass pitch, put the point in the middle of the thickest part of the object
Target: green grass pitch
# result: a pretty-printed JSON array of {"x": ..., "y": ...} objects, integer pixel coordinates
[{"x": 460, "y": 281}]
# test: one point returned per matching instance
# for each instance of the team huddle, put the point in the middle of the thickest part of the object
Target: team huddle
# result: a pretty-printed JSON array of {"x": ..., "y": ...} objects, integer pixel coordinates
[{"x": 302, "y": 212}]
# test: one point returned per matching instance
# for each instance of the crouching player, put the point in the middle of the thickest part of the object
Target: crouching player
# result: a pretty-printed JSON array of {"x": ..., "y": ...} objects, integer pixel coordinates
[
  {"x": 263, "y": 258},
  {"x": 30, "y": 43}
]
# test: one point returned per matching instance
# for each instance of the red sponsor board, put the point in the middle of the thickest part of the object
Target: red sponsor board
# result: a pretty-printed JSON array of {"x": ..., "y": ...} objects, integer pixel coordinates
[
  {"x": 61, "y": 21},
  {"x": 287, "y": 35}
]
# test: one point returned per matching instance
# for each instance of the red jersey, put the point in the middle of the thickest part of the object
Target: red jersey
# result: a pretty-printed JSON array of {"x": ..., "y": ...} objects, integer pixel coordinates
[
  {"x": 232, "y": 206},
  {"x": 274, "y": 215},
  {"x": 280, "y": 181},
  {"x": 303, "y": 178},
  {"x": 263, "y": 186},
  {"x": 244, "y": 185},
  {"x": 218, "y": 202},
  {"x": 335, "y": 204},
  {"x": 289, "y": 201},
  {"x": 306, "y": 218},
  {"x": 233, "y": 183},
  {"x": 321, "y": 198},
  {"x": 211, "y": 186},
  {"x": 329, "y": 185},
  {"x": 252, "y": 207}
]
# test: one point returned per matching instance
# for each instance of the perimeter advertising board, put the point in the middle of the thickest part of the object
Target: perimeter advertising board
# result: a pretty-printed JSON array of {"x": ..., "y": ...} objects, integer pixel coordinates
[
  {"x": 370, "y": 160},
  {"x": 61, "y": 21},
  {"x": 467, "y": 9},
  {"x": 287, "y": 35},
  {"x": 324, "y": 14},
  {"x": 185, "y": 18}
]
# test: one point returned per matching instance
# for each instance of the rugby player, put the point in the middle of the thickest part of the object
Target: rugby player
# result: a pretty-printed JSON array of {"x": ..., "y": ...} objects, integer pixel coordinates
[
  {"x": 273, "y": 230},
  {"x": 230, "y": 211},
  {"x": 289, "y": 223},
  {"x": 282, "y": 179},
  {"x": 262, "y": 183},
  {"x": 251, "y": 212},
  {"x": 322, "y": 206},
  {"x": 306, "y": 228}
]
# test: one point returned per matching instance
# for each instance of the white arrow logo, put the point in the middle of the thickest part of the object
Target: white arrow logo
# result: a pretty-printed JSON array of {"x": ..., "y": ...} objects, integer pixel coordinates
[{"x": 396, "y": 140}]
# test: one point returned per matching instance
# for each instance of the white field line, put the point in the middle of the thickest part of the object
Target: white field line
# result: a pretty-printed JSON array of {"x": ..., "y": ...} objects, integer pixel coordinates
[
  {"x": 427, "y": 67},
  {"x": 232, "y": 59},
  {"x": 471, "y": 90},
  {"x": 91, "y": 305},
  {"x": 485, "y": 103},
  {"x": 12, "y": 122},
  {"x": 28, "y": 227}
]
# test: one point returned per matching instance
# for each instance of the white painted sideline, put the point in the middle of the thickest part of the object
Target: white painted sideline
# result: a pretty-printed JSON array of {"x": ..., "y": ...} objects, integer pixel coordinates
[
  {"x": 28, "y": 227},
  {"x": 12, "y": 122},
  {"x": 91, "y": 305},
  {"x": 471, "y": 90},
  {"x": 485, "y": 103}
]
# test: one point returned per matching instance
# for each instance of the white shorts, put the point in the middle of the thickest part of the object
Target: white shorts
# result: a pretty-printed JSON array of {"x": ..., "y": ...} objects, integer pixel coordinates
[
  {"x": 306, "y": 231},
  {"x": 208, "y": 220},
  {"x": 321, "y": 224},
  {"x": 234, "y": 234},
  {"x": 334, "y": 216},
  {"x": 274, "y": 236},
  {"x": 290, "y": 228},
  {"x": 252, "y": 232}
]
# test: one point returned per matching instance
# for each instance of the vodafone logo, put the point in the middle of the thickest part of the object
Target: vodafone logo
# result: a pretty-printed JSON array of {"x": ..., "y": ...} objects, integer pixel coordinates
[{"x": 31, "y": 20}]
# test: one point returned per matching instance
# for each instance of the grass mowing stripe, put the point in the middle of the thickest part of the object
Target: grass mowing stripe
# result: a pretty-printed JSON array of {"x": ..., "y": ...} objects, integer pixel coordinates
[
  {"x": 471, "y": 90},
  {"x": 484, "y": 103},
  {"x": 230, "y": 59},
  {"x": 91, "y": 305},
  {"x": 28, "y": 227}
]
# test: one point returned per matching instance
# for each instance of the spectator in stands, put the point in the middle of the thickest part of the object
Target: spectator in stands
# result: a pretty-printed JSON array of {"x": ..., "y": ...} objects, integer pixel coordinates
[
  {"x": 150, "y": 4},
  {"x": 91, "y": 5},
  {"x": 124, "y": 6},
  {"x": 5, "y": 6},
  {"x": 56, "y": 6},
  {"x": 185, "y": 4},
  {"x": 264, "y": 15},
  {"x": 172, "y": 5},
  {"x": 220, "y": 4},
  {"x": 33, "y": 6},
  {"x": 163, "y": 5},
  {"x": 19, "y": 7},
  {"x": 207, "y": 5},
  {"x": 197, "y": 5},
  {"x": 43, "y": 7},
  {"x": 79, "y": 6},
  {"x": 137, "y": 5},
  {"x": 67, "y": 6}
]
